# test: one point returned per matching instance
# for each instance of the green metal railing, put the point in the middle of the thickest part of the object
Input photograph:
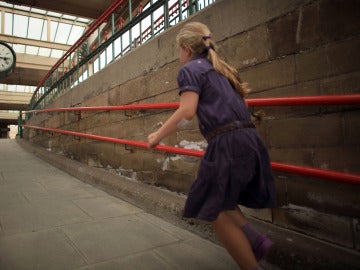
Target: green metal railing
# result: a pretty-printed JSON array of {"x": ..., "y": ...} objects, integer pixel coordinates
[{"x": 126, "y": 27}]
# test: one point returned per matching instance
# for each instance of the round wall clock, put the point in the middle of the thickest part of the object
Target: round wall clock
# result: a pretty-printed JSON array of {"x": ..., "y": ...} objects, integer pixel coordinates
[{"x": 7, "y": 59}]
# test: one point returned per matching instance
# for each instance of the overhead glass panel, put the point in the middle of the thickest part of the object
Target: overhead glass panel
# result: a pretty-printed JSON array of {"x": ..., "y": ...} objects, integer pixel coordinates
[
  {"x": 75, "y": 34},
  {"x": 63, "y": 32},
  {"x": 44, "y": 31},
  {"x": 20, "y": 88},
  {"x": 11, "y": 88},
  {"x": 20, "y": 25},
  {"x": 44, "y": 52},
  {"x": 56, "y": 53},
  {"x": 39, "y": 11},
  {"x": 83, "y": 20},
  {"x": 25, "y": 8},
  {"x": 19, "y": 48},
  {"x": 17, "y": 88},
  {"x": 69, "y": 17},
  {"x": 32, "y": 50},
  {"x": 36, "y": 26},
  {"x": 54, "y": 14},
  {"x": 7, "y": 5},
  {"x": 8, "y": 24},
  {"x": 54, "y": 28}
]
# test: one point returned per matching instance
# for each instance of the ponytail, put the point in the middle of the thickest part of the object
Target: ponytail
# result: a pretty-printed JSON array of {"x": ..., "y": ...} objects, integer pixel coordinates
[
  {"x": 228, "y": 71},
  {"x": 197, "y": 36}
]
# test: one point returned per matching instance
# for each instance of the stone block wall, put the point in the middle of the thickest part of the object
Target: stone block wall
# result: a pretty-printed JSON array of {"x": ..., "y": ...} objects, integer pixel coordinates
[{"x": 282, "y": 48}]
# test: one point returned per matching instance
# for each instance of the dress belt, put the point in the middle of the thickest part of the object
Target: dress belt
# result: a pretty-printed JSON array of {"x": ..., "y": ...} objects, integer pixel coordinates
[{"x": 228, "y": 127}]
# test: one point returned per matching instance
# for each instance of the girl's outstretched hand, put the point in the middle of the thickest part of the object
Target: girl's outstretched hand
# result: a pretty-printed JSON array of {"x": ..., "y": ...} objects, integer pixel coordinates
[
  {"x": 153, "y": 139},
  {"x": 185, "y": 112}
]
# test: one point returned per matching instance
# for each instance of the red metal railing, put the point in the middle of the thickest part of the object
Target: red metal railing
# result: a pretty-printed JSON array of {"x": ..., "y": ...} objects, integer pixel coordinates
[
  {"x": 318, "y": 173},
  {"x": 352, "y": 99},
  {"x": 277, "y": 166},
  {"x": 168, "y": 105},
  {"x": 171, "y": 149},
  {"x": 283, "y": 101}
]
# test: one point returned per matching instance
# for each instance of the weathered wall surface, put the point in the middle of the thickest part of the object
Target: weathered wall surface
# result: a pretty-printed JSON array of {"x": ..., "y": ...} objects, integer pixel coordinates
[{"x": 282, "y": 48}]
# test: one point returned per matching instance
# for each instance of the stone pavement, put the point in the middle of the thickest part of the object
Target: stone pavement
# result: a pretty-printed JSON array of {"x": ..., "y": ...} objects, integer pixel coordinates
[{"x": 51, "y": 220}]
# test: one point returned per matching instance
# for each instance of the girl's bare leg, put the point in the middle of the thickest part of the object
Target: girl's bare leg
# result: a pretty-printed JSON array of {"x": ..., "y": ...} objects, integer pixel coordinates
[
  {"x": 235, "y": 241},
  {"x": 238, "y": 217}
]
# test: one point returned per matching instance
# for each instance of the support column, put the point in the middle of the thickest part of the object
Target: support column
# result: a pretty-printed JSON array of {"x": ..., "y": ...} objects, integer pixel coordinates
[{"x": 4, "y": 131}]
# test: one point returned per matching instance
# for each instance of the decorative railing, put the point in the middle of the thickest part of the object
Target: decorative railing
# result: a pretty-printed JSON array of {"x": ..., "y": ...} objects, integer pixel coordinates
[{"x": 121, "y": 28}]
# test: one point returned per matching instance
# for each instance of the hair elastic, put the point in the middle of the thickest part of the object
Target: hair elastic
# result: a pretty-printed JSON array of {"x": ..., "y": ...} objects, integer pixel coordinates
[{"x": 206, "y": 37}]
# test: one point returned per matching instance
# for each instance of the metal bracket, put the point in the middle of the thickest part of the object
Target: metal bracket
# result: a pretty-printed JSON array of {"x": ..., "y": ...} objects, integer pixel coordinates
[
  {"x": 356, "y": 233},
  {"x": 129, "y": 148},
  {"x": 78, "y": 114},
  {"x": 128, "y": 114}
]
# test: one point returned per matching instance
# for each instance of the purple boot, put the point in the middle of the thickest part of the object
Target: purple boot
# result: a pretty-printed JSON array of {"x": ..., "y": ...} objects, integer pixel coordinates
[{"x": 261, "y": 246}]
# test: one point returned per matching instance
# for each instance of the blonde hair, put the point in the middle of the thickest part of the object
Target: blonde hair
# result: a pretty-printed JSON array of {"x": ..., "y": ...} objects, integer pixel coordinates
[{"x": 197, "y": 37}]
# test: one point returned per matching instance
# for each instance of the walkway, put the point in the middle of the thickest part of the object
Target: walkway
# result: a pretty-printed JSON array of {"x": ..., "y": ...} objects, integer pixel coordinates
[{"x": 51, "y": 220}]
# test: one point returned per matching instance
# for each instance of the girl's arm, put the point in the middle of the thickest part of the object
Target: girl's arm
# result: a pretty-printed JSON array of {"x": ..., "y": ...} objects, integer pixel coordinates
[{"x": 186, "y": 111}]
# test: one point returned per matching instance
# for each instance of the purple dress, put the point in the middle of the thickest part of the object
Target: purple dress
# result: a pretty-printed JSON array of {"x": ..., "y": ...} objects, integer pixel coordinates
[{"x": 236, "y": 167}]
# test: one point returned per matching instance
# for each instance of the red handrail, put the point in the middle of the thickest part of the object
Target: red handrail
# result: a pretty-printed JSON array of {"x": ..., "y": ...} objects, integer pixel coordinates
[
  {"x": 301, "y": 170},
  {"x": 350, "y": 99},
  {"x": 175, "y": 150},
  {"x": 313, "y": 172},
  {"x": 168, "y": 105}
]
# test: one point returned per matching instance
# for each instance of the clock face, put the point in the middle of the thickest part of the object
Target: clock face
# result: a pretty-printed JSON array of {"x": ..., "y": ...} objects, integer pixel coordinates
[{"x": 7, "y": 59}]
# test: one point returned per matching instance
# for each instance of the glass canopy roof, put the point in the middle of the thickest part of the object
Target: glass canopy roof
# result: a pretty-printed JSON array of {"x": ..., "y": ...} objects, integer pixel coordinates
[
  {"x": 36, "y": 24},
  {"x": 35, "y": 27}
]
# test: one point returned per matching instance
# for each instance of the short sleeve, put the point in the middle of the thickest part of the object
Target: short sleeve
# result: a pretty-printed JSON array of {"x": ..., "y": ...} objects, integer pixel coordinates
[{"x": 188, "y": 80}]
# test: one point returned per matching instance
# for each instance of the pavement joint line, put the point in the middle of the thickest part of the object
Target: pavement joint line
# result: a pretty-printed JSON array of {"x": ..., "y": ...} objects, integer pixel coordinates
[
  {"x": 165, "y": 260},
  {"x": 134, "y": 254},
  {"x": 82, "y": 210},
  {"x": 73, "y": 245},
  {"x": 2, "y": 176},
  {"x": 26, "y": 198}
]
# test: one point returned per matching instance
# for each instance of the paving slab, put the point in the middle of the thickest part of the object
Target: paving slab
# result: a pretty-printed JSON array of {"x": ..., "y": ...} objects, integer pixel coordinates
[
  {"x": 190, "y": 254},
  {"x": 142, "y": 261},
  {"x": 51, "y": 220},
  {"x": 48, "y": 249},
  {"x": 105, "y": 207},
  {"x": 110, "y": 238}
]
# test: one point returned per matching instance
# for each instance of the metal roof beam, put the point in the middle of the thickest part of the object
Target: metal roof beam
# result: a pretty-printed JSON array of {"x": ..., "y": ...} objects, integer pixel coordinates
[
  {"x": 10, "y": 100},
  {"x": 34, "y": 42},
  {"x": 34, "y": 61}
]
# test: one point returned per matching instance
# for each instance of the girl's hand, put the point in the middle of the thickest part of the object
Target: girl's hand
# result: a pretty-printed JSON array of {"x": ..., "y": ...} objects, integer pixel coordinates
[
  {"x": 186, "y": 111},
  {"x": 153, "y": 139}
]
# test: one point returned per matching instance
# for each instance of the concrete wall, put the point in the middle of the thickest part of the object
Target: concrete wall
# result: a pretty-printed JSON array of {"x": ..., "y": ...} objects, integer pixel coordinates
[{"x": 282, "y": 48}]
